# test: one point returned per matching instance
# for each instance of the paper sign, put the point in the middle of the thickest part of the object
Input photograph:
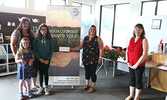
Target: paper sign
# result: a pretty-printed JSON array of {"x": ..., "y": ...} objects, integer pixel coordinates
[{"x": 64, "y": 49}]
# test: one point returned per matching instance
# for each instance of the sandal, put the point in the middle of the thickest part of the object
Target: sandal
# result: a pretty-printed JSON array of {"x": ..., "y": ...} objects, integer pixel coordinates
[
  {"x": 91, "y": 90},
  {"x": 85, "y": 87},
  {"x": 25, "y": 91},
  {"x": 129, "y": 98},
  {"x": 35, "y": 87},
  {"x": 136, "y": 98}
]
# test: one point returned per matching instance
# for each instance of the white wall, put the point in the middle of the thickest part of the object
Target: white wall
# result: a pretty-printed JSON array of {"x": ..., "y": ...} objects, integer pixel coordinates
[{"x": 153, "y": 35}]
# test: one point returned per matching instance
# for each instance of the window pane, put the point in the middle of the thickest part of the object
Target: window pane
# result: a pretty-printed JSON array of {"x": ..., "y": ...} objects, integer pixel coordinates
[
  {"x": 0, "y": 2},
  {"x": 57, "y": 2},
  {"x": 121, "y": 28},
  {"x": 86, "y": 9},
  {"x": 148, "y": 8},
  {"x": 76, "y": 4},
  {"x": 43, "y": 4},
  {"x": 15, "y": 3},
  {"x": 107, "y": 24},
  {"x": 87, "y": 20},
  {"x": 162, "y": 8}
]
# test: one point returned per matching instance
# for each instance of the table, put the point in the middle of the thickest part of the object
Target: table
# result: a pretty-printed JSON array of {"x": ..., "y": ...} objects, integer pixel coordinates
[
  {"x": 120, "y": 64},
  {"x": 158, "y": 79},
  {"x": 115, "y": 62}
]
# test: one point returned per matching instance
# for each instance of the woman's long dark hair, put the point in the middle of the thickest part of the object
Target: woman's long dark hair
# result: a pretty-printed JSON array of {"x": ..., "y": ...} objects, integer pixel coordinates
[
  {"x": 39, "y": 34},
  {"x": 141, "y": 27},
  {"x": 20, "y": 28}
]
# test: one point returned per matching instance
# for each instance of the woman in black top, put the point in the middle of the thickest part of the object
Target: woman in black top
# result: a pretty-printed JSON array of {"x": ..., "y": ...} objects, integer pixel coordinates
[{"x": 92, "y": 56}]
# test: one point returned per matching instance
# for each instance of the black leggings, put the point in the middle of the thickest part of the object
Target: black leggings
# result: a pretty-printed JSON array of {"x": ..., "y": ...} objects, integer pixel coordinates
[
  {"x": 136, "y": 77},
  {"x": 43, "y": 70},
  {"x": 35, "y": 70},
  {"x": 90, "y": 72}
]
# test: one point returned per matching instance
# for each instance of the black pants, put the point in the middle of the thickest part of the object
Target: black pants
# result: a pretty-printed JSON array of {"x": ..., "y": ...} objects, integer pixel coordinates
[
  {"x": 43, "y": 71},
  {"x": 136, "y": 77},
  {"x": 35, "y": 69},
  {"x": 90, "y": 72}
]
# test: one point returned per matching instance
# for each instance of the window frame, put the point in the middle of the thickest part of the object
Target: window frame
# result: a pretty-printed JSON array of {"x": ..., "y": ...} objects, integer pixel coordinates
[
  {"x": 2, "y": 3},
  {"x": 113, "y": 28},
  {"x": 25, "y": 6},
  {"x": 156, "y": 7}
]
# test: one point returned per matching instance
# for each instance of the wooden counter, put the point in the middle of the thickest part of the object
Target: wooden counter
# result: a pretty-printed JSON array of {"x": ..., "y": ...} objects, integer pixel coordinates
[{"x": 158, "y": 74}]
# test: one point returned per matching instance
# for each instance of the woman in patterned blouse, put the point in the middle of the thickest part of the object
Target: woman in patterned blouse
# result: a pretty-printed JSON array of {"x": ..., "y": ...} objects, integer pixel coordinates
[{"x": 92, "y": 56}]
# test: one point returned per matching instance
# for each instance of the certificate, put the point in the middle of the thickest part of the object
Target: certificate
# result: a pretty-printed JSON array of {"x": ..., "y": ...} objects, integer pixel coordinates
[{"x": 64, "y": 49}]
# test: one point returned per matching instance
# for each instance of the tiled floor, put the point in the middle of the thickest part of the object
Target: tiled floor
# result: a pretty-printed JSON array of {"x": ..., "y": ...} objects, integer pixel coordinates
[{"x": 107, "y": 88}]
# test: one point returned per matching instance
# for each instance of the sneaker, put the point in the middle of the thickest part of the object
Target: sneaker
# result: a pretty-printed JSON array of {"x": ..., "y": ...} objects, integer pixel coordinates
[
  {"x": 40, "y": 90},
  {"x": 21, "y": 96},
  {"x": 30, "y": 94},
  {"x": 47, "y": 91}
]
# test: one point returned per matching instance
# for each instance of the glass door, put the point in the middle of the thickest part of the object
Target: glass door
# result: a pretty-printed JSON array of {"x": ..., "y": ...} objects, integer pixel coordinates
[
  {"x": 107, "y": 17},
  {"x": 121, "y": 25},
  {"x": 114, "y": 22}
]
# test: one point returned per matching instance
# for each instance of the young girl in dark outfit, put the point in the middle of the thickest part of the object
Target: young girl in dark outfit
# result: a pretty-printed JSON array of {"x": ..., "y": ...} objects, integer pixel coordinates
[{"x": 43, "y": 48}]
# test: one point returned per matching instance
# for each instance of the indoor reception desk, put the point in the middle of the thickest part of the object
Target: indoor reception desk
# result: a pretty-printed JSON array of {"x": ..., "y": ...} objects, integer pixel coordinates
[{"x": 158, "y": 73}]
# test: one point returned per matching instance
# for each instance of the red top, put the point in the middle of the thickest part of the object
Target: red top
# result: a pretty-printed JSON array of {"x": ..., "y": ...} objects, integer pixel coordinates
[{"x": 135, "y": 51}]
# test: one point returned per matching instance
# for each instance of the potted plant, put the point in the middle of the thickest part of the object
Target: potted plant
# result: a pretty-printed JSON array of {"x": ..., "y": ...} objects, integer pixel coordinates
[{"x": 111, "y": 53}]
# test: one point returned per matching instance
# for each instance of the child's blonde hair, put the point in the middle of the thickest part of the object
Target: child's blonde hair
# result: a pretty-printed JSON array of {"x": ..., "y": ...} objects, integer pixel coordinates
[{"x": 21, "y": 48}]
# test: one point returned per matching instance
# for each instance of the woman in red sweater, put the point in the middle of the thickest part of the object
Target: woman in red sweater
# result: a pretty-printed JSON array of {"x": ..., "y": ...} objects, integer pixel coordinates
[{"x": 136, "y": 54}]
